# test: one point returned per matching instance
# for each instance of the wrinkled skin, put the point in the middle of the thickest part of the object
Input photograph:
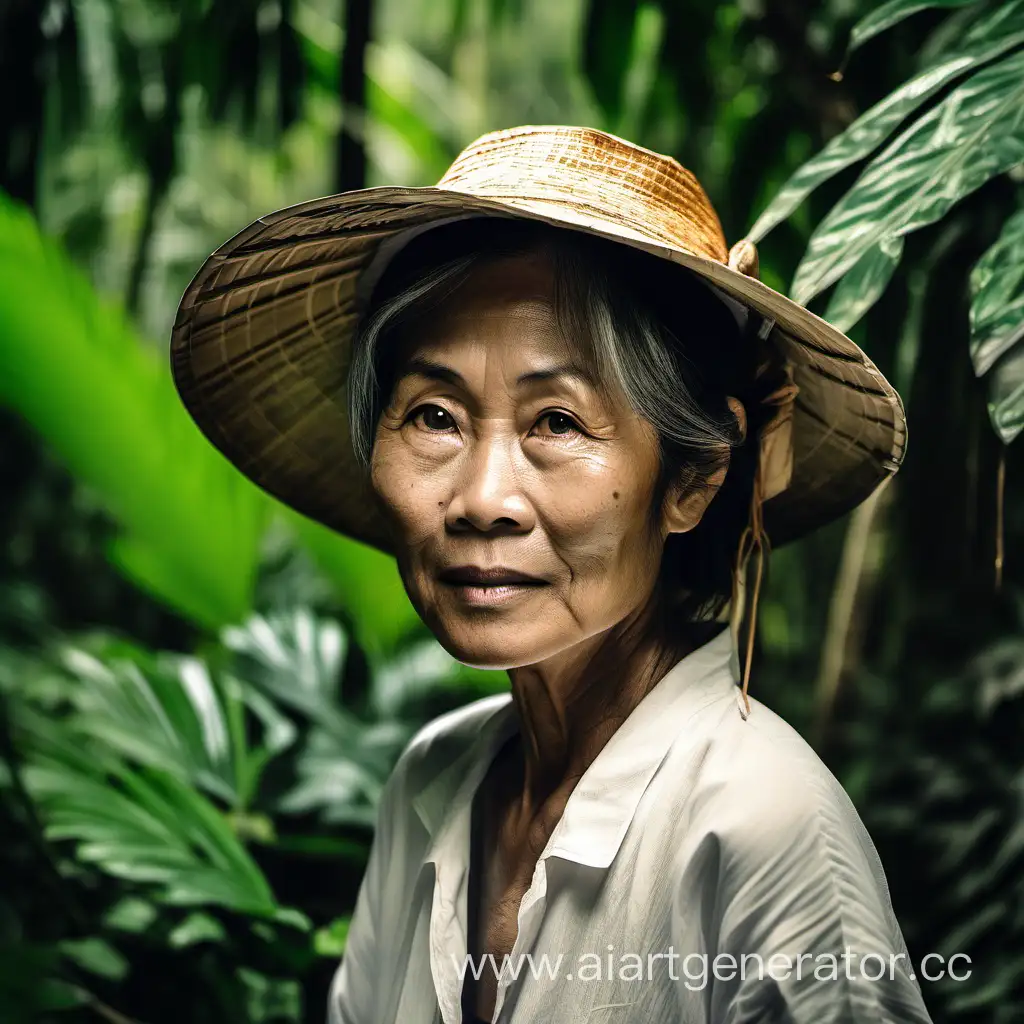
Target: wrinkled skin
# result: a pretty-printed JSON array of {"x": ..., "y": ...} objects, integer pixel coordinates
[{"x": 550, "y": 477}]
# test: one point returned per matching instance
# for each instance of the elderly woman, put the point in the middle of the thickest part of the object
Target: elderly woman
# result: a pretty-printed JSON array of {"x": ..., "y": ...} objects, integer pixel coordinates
[{"x": 572, "y": 414}]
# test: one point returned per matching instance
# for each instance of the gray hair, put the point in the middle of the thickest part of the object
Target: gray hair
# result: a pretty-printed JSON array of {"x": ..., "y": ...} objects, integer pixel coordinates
[{"x": 653, "y": 332}]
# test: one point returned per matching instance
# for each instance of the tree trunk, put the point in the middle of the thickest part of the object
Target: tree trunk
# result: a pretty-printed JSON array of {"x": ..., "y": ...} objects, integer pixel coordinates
[{"x": 351, "y": 163}]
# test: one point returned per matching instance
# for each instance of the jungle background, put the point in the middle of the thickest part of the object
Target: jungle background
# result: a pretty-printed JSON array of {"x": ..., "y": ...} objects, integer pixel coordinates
[{"x": 203, "y": 693}]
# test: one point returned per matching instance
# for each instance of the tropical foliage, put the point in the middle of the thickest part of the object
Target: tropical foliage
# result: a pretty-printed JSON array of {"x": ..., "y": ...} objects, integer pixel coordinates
[
  {"x": 166, "y": 790},
  {"x": 973, "y": 132},
  {"x": 202, "y": 693}
]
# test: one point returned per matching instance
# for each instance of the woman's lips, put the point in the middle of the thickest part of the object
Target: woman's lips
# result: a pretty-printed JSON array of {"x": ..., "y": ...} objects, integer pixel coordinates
[{"x": 486, "y": 595}]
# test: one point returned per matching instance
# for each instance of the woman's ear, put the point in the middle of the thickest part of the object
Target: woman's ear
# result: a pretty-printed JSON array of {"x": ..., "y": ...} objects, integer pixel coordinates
[{"x": 688, "y": 500}]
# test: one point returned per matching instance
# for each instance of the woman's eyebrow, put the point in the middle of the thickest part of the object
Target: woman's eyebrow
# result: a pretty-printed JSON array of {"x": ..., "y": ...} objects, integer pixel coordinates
[{"x": 423, "y": 367}]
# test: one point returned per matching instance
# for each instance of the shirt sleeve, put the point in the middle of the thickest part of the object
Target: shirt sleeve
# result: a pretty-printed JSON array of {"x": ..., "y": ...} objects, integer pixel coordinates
[
  {"x": 786, "y": 900},
  {"x": 354, "y": 990}
]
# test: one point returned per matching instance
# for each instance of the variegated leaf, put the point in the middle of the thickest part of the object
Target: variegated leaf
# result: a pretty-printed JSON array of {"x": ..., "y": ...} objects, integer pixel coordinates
[
  {"x": 863, "y": 285},
  {"x": 976, "y": 133},
  {"x": 997, "y": 297},
  {"x": 892, "y": 13},
  {"x": 1006, "y": 394},
  {"x": 991, "y": 37}
]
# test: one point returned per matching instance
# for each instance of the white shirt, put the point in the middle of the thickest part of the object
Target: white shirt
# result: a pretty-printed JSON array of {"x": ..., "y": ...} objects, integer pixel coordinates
[{"x": 698, "y": 831}]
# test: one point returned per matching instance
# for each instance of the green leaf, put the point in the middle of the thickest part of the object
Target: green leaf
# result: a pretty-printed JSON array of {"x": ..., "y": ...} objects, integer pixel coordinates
[
  {"x": 55, "y": 994},
  {"x": 420, "y": 668},
  {"x": 861, "y": 288},
  {"x": 171, "y": 714},
  {"x": 988, "y": 39},
  {"x": 293, "y": 918},
  {"x": 330, "y": 940},
  {"x": 366, "y": 579},
  {"x": 196, "y": 928},
  {"x": 1006, "y": 394},
  {"x": 344, "y": 781},
  {"x": 892, "y": 13},
  {"x": 997, "y": 297},
  {"x": 75, "y": 369},
  {"x": 641, "y": 71},
  {"x": 416, "y": 113},
  {"x": 95, "y": 956},
  {"x": 171, "y": 720},
  {"x": 982, "y": 919},
  {"x": 27, "y": 986},
  {"x": 270, "y": 999},
  {"x": 143, "y": 825},
  {"x": 996, "y": 674},
  {"x": 297, "y": 659},
  {"x": 974, "y": 134},
  {"x": 130, "y": 914},
  {"x": 336, "y": 849}
]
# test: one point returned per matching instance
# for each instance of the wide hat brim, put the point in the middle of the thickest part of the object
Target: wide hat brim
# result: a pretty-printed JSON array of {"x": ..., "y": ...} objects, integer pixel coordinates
[{"x": 261, "y": 346}]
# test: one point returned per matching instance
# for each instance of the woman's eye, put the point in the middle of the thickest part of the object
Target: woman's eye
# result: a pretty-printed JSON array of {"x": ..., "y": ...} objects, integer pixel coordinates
[
  {"x": 440, "y": 421},
  {"x": 560, "y": 424},
  {"x": 434, "y": 418}
]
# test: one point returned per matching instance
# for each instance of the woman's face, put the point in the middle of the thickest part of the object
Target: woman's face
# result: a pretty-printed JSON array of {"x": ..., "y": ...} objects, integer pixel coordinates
[{"x": 495, "y": 452}]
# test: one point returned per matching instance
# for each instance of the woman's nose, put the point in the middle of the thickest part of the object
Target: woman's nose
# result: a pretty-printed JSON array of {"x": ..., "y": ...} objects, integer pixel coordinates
[{"x": 487, "y": 495}]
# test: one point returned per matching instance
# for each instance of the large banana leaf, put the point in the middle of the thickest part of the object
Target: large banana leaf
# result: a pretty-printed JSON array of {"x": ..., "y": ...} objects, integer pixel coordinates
[
  {"x": 892, "y": 13},
  {"x": 366, "y": 580},
  {"x": 991, "y": 37},
  {"x": 974, "y": 134},
  {"x": 74, "y": 368}
]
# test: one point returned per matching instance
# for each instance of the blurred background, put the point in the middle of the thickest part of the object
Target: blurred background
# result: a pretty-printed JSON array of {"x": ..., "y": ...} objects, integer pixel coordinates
[{"x": 202, "y": 693}]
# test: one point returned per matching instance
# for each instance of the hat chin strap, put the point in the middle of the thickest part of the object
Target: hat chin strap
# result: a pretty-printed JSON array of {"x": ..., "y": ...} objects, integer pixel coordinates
[
  {"x": 752, "y": 539},
  {"x": 771, "y": 475}
]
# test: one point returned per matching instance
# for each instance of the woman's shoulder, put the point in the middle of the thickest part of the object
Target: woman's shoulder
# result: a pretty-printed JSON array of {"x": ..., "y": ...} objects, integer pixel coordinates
[
  {"x": 443, "y": 740},
  {"x": 759, "y": 784},
  {"x": 771, "y": 859}
]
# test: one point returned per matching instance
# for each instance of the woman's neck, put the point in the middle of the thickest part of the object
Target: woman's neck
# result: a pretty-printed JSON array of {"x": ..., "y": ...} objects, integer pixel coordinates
[{"x": 570, "y": 705}]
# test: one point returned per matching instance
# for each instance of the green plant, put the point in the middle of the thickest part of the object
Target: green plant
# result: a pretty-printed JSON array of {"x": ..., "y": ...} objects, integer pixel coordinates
[
  {"x": 945, "y": 807},
  {"x": 971, "y": 133},
  {"x": 166, "y": 792},
  {"x": 921, "y": 251},
  {"x": 191, "y": 525}
]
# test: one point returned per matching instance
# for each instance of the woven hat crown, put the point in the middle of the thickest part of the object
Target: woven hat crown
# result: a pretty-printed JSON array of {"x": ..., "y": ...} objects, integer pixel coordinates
[{"x": 598, "y": 177}]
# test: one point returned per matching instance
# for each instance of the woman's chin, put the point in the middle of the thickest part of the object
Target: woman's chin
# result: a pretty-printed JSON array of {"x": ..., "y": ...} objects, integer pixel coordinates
[{"x": 496, "y": 646}]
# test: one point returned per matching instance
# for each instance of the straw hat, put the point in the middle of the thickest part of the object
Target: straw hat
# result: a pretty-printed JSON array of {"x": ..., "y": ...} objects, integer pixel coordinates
[{"x": 262, "y": 340}]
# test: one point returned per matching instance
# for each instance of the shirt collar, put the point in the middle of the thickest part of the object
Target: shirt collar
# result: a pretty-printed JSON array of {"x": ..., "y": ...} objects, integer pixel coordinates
[{"x": 602, "y": 805}]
